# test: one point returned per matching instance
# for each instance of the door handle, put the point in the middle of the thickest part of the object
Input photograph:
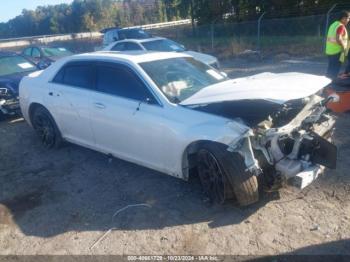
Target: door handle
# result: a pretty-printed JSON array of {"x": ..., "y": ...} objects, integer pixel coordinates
[
  {"x": 100, "y": 105},
  {"x": 52, "y": 94}
]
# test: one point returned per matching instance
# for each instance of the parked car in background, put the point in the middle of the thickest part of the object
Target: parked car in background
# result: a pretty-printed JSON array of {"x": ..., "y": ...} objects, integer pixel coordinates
[
  {"x": 115, "y": 34},
  {"x": 160, "y": 44},
  {"x": 172, "y": 113},
  {"x": 44, "y": 56},
  {"x": 12, "y": 68}
]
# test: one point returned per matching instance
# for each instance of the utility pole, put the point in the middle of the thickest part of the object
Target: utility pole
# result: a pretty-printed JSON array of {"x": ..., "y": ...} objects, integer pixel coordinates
[
  {"x": 192, "y": 18},
  {"x": 259, "y": 31}
]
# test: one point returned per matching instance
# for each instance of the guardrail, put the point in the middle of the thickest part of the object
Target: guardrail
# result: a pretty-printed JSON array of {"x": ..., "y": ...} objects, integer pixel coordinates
[
  {"x": 24, "y": 41},
  {"x": 162, "y": 25},
  {"x": 44, "y": 39}
]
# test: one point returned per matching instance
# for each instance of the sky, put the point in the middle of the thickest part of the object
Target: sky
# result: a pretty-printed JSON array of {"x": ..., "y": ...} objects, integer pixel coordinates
[{"x": 13, "y": 8}]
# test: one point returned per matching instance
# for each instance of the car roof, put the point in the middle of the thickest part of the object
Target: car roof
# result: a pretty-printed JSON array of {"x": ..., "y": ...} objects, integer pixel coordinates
[
  {"x": 150, "y": 39},
  {"x": 132, "y": 56}
]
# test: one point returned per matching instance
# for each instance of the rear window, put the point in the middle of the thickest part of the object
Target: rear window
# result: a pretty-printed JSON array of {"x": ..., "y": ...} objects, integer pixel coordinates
[{"x": 78, "y": 75}]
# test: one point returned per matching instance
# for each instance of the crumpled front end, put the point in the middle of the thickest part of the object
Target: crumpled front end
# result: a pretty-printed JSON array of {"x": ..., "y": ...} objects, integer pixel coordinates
[
  {"x": 296, "y": 152},
  {"x": 9, "y": 102}
]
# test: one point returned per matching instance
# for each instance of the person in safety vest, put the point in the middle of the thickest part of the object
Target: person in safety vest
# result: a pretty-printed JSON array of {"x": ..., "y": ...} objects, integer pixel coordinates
[{"x": 337, "y": 44}]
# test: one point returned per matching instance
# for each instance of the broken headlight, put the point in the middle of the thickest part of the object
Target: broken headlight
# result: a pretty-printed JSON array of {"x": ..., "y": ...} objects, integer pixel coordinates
[{"x": 3, "y": 91}]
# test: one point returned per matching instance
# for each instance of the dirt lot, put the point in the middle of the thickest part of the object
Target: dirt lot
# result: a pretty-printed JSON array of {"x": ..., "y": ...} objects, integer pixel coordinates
[{"x": 64, "y": 201}]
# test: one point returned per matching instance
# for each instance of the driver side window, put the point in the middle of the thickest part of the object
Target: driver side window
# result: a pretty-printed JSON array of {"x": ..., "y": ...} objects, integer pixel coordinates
[
  {"x": 121, "y": 81},
  {"x": 132, "y": 46}
]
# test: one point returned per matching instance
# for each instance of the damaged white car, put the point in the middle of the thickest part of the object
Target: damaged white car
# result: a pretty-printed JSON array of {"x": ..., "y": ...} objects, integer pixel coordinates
[{"x": 171, "y": 113}]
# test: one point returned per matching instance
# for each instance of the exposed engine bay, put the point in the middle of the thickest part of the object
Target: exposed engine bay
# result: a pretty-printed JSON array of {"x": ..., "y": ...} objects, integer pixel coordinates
[{"x": 286, "y": 142}]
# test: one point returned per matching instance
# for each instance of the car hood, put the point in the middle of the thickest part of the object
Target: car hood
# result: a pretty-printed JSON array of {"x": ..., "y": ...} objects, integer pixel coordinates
[
  {"x": 12, "y": 81},
  {"x": 204, "y": 58},
  {"x": 277, "y": 88}
]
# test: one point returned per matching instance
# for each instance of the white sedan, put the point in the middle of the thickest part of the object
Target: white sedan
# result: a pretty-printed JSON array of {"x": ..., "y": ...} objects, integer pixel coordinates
[
  {"x": 160, "y": 44},
  {"x": 171, "y": 113}
]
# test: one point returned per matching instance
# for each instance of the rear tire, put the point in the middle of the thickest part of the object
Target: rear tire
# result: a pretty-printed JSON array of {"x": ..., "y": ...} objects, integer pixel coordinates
[
  {"x": 223, "y": 175},
  {"x": 46, "y": 128}
]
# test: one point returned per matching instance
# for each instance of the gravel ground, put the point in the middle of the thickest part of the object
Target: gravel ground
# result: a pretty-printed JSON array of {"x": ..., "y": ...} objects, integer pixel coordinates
[{"x": 66, "y": 201}]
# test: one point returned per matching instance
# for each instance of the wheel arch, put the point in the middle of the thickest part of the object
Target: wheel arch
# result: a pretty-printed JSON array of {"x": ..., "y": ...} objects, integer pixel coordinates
[
  {"x": 32, "y": 107},
  {"x": 189, "y": 160}
]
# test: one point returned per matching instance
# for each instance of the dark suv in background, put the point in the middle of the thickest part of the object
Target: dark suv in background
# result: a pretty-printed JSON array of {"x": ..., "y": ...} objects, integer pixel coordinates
[{"x": 116, "y": 34}]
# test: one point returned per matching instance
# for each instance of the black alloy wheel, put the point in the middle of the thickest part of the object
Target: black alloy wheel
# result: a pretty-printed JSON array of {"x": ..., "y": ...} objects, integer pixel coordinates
[
  {"x": 211, "y": 176},
  {"x": 45, "y": 128}
]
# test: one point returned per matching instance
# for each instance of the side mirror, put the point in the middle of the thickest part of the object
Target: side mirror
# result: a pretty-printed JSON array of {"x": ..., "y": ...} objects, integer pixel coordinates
[{"x": 42, "y": 65}]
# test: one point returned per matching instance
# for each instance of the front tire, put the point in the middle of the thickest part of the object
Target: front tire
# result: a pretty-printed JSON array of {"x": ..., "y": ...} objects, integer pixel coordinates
[
  {"x": 46, "y": 128},
  {"x": 223, "y": 175}
]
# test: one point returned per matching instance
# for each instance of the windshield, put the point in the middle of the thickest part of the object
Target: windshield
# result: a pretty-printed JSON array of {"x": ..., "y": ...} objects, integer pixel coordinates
[
  {"x": 56, "y": 51},
  {"x": 164, "y": 45},
  {"x": 180, "y": 78},
  {"x": 14, "y": 64}
]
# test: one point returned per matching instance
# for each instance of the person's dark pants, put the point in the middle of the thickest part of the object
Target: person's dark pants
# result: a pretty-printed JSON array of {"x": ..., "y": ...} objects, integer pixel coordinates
[
  {"x": 333, "y": 66},
  {"x": 347, "y": 70}
]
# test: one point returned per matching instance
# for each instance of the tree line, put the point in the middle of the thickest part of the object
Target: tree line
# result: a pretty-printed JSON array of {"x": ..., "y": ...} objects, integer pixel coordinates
[{"x": 94, "y": 15}]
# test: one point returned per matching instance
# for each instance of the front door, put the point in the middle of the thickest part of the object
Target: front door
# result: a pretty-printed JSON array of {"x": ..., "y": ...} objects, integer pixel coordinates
[{"x": 126, "y": 118}]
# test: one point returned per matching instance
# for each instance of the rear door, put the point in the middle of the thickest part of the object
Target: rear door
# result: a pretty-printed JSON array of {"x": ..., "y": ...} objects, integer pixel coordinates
[
  {"x": 126, "y": 117},
  {"x": 69, "y": 95}
]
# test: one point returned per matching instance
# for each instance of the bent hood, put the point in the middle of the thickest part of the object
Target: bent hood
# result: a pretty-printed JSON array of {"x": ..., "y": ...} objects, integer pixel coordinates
[{"x": 277, "y": 88}]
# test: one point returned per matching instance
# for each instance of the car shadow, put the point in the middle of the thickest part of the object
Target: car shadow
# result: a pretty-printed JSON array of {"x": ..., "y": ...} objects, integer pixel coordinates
[{"x": 49, "y": 192}]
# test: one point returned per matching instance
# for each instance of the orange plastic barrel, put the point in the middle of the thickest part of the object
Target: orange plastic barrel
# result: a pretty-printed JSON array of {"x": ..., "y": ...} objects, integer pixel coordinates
[{"x": 343, "y": 105}]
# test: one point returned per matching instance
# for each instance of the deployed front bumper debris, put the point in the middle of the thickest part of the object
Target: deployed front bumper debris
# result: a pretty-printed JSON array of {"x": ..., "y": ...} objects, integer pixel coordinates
[
  {"x": 296, "y": 152},
  {"x": 9, "y": 103}
]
